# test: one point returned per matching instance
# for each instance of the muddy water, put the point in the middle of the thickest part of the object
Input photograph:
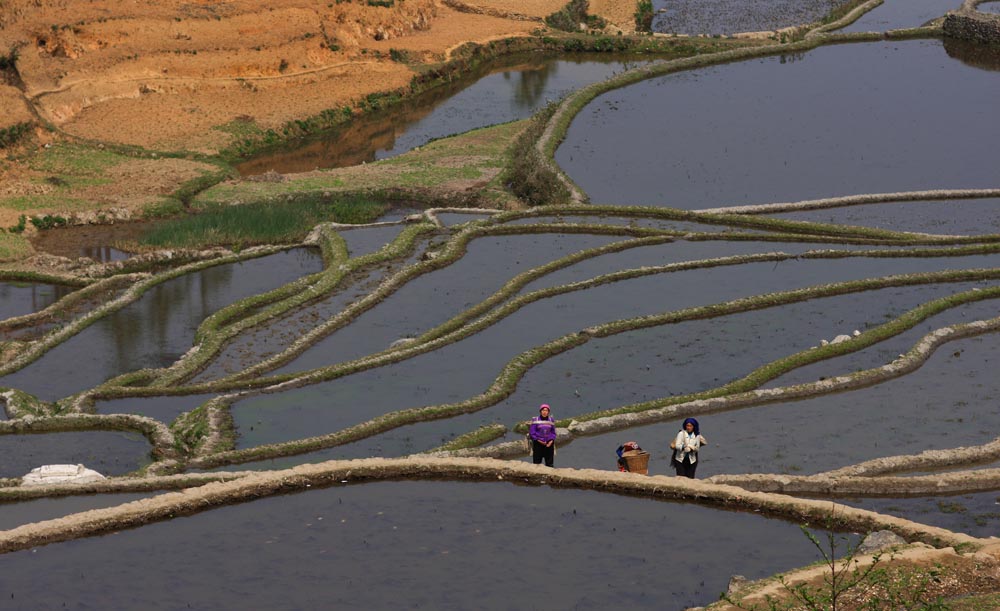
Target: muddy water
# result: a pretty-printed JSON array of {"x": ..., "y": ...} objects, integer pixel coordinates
[
  {"x": 468, "y": 367},
  {"x": 441, "y": 545},
  {"x": 107, "y": 452},
  {"x": 888, "y": 350},
  {"x": 896, "y": 14},
  {"x": 13, "y": 515},
  {"x": 96, "y": 242},
  {"x": 515, "y": 90},
  {"x": 974, "y": 514},
  {"x": 165, "y": 408},
  {"x": 989, "y": 7},
  {"x": 732, "y": 16},
  {"x": 949, "y": 402},
  {"x": 890, "y": 116},
  {"x": 435, "y": 297},
  {"x": 19, "y": 298},
  {"x": 157, "y": 329},
  {"x": 946, "y": 217}
]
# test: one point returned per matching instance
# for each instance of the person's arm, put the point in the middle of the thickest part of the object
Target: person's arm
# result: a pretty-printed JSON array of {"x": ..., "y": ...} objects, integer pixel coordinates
[
  {"x": 702, "y": 440},
  {"x": 679, "y": 441},
  {"x": 533, "y": 431}
]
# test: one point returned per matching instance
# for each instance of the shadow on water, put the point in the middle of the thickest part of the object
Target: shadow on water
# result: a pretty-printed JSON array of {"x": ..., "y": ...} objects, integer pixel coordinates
[
  {"x": 19, "y": 298},
  {"x": 984, "y": 57},
  {"x": 496, "y": 93},
  {"x": 442, "y": 545},
  {"x": 157, "y": 329}
]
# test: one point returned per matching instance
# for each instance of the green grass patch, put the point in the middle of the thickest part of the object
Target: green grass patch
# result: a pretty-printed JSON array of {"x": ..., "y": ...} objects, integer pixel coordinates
[
  {"x": 74, "y": 160},
  {"x": 14, "y": 246},
  {"x": 260, "y": 223}
]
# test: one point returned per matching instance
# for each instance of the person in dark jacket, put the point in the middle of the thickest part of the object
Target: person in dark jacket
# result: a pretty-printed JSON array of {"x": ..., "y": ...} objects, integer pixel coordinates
[{"x": 543, "y": 437}]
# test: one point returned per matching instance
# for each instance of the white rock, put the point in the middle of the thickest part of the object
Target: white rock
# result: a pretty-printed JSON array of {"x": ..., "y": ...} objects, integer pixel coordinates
[
  {"x": 840, "y": 339},
  {"x": 60, "y": 474},
  {"x": 856, "y": 333},
  {"x": 823, "y": 342}
]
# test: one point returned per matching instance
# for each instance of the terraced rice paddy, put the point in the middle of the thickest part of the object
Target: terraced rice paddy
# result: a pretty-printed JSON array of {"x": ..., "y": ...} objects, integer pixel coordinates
[{"x": 817, "y": 340}]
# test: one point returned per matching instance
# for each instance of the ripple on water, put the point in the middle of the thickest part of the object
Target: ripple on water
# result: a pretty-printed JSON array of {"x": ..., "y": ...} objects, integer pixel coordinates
[
  {"x": 891, "y": 116},
  {"x": 897, "y": 14},
  {"x": 948, "y": 402},
  {"x": 439, "y": 545},
  {"x": 468, "y": 367},
  {"x": 944, "y": 217},
  {"x": 732, "y": 16},
  {"x": 107, "y": 452}
]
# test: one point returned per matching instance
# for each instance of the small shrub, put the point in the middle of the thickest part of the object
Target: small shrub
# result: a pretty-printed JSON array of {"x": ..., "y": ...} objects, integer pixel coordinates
[
  {"x": 569, "y": 17},
  {"x": 22, "y": 222},
  {"x": 11, "y": 135},
  {"x": 382, "y": 3},
  {"x": 48, "y": 221},
  {"x": 644, "y": 16},
  {"x": 528, "y": 176},
  {"x": 283, "y": 65}
]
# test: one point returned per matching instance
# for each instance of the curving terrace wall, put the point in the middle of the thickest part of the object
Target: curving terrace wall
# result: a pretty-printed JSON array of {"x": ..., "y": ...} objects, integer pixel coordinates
[{"x": 969, "y": 24}]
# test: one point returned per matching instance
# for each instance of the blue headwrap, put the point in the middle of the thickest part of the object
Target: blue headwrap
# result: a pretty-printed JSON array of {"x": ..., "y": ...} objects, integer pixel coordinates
[{"x": 692, "y": 421}]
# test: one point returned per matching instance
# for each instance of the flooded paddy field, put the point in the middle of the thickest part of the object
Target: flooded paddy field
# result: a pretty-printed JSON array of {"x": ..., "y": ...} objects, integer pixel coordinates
[
  {"x": 516, "y": 90},
  {"x": 450, "y": 289},
  {"x": 19, "y": 298},
  {"x": 108, "y": 452},
  {"x": 790, "y": 128},
  {"x": 897, "y": 14},
  {"x": 155, "y": 330},
  {"x": 732, "y": 16},
  {"x": 97, "y": 242},
  {"x": 888, "y": 350},
  {"x": 377, "y": 544},
  {"x": 14, "y": 514},
  {"x": 945, "y": 217},
  {"x": 992, "y": 8},
  {"x": 938, "y": 406},
  {"x": 906, "y": 116},
  {"x": 974, "y": 514},
  {"x": 163, "y": 408},
  {"x": 468, "y": 367}
]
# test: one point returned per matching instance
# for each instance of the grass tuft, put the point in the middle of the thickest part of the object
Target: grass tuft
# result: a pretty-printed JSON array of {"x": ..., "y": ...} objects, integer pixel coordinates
[{"x": 260, "y": 223}]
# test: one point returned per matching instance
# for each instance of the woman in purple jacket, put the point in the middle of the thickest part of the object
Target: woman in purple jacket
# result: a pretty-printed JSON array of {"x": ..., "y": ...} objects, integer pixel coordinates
[{"x": 543, "y": 437}]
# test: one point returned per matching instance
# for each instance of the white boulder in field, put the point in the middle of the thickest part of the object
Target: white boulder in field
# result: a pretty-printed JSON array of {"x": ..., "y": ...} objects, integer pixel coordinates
[{"x": 60, "y": 474}]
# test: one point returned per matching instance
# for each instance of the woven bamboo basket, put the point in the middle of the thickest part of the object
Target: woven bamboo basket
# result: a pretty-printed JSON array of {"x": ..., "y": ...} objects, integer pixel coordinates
[{"x": 637, "y": 461}]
